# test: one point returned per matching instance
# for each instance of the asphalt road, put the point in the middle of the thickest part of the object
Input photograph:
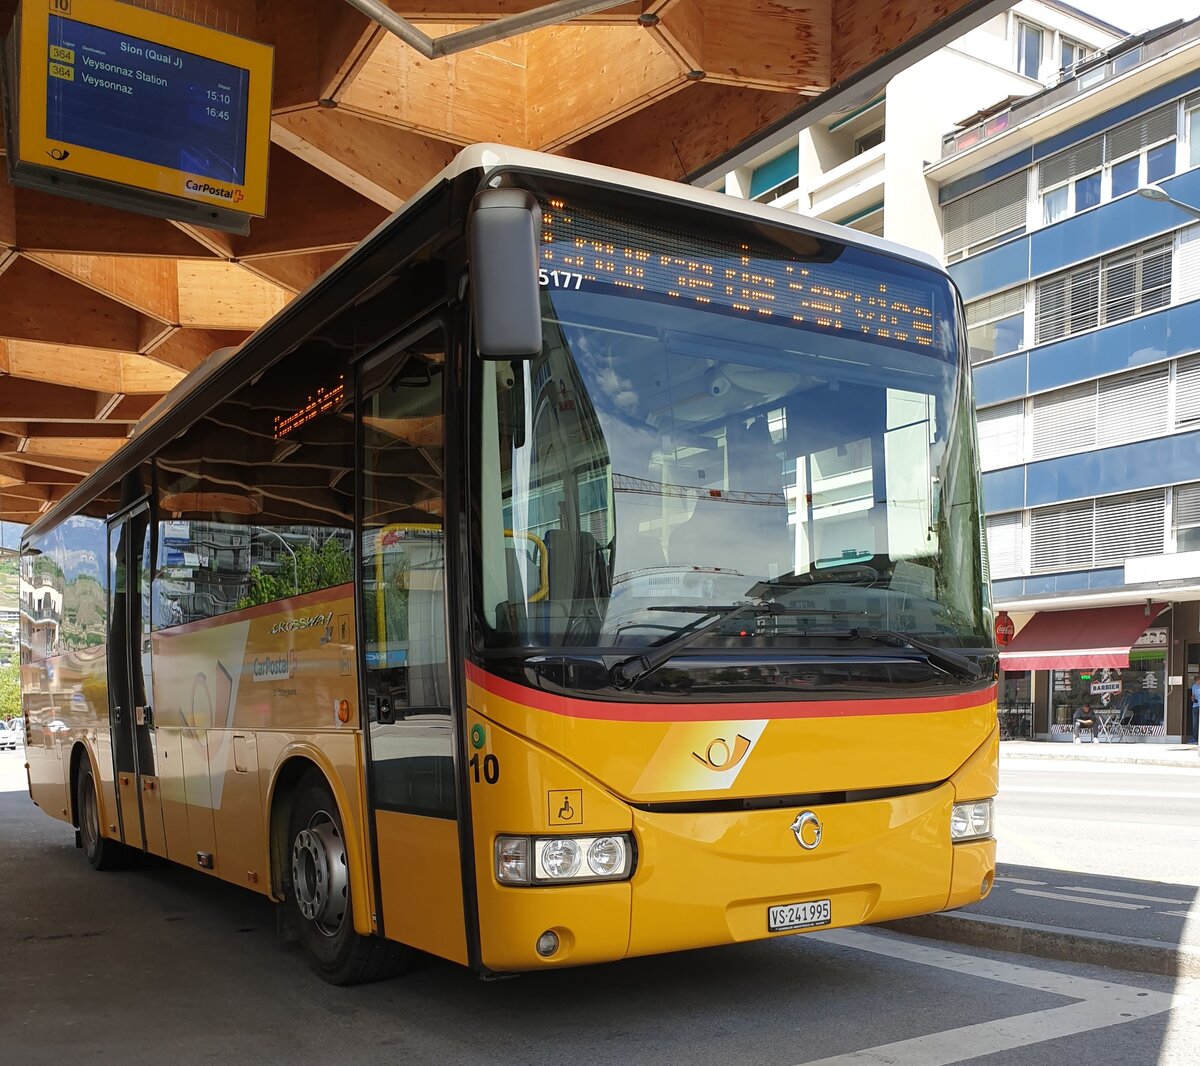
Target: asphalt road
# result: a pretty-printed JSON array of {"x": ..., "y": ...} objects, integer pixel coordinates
[{"x": 162, "y": 964}]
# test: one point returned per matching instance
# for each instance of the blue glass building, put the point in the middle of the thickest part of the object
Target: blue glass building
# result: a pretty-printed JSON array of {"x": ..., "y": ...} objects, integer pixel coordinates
[{"x": 1083, "y": 313}]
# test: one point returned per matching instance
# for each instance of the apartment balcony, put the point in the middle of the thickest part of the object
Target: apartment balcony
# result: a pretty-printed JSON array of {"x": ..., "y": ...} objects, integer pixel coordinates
[{"x": 849, "y": 188}]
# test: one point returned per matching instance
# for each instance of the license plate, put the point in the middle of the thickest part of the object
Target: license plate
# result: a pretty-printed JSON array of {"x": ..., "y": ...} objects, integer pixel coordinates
[{"x": 807, "y": 915}]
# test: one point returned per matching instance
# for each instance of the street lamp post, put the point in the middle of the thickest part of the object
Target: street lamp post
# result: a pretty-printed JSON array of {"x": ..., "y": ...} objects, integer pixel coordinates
[{"x": 1160, "y": 196}]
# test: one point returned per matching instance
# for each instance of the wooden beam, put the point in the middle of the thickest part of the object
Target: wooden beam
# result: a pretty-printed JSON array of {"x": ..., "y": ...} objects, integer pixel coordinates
[
  {"x": 37, "y": 401},
  {"x": 681, "y": 31},
  {"x": 14, "y": 509},
  {"x": 143, "y": 376},
  {"x": 74, "y": 429},
  {"x": 218, "y": 295},
  {"x": 770, "y": 44},
  {"x": 51, "y": 465},
  {"x": 132, "y": 408},
  {"x": 615, "y": 71},
  {"x": 473, "y": 11},
  {"x": 62, "y": 364},
  {"x": 34, "y": 493},
  {"x": 379, "y": 162},
  {"x": 47, "y": 223},
  {"x": 348, "y": 39},
  {"x": 866, "y": 30},
  {"x": 472, "y": 96},
  {"x": 16, "y": 472},
  {"x": 186, "y": 349},
  {"x": 684, "y": 131},
  {"x": 294, "y": 272},
  {"x": 95, "y": 449},
  {"x": 307, "y": 211},
  {"x": 145, "y": 284},
  {"x": 38, "y": 304},
  {"x": 8, "y": 214}
]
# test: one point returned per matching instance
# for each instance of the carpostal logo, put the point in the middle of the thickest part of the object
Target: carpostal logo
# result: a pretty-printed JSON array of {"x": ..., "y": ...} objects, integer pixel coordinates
[
  {"x": 207, "y": 188},
  {"x": 274, "y": 667}
]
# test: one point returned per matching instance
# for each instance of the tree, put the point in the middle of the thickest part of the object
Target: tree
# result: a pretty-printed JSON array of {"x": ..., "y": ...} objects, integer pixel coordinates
[{"x": 10, "y": 691}]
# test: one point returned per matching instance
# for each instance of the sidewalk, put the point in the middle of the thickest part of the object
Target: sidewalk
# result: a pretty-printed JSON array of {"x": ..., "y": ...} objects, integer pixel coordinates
[{"x": 1179, "y": 755}]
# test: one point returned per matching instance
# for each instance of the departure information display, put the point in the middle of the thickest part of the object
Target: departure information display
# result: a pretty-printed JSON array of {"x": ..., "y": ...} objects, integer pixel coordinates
[
  {"x": 857, "y": 292},
  {"x": 119, "y": 105},
  {"x": 141, "y": 100}
]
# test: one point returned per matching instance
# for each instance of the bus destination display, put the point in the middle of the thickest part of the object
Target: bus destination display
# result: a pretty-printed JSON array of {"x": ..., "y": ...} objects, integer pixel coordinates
[
  {"x": 588, "y": 250},
  {"x": 119, "y": 105},
  {"x": 137, "y": 99}
]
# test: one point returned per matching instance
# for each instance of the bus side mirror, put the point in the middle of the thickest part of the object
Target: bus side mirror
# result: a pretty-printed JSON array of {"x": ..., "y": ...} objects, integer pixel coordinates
[{"x": 503, "y": 231}]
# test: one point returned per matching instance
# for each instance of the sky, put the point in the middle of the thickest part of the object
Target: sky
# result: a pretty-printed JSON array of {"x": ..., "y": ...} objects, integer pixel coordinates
[{"x": 1142, "y": 15}]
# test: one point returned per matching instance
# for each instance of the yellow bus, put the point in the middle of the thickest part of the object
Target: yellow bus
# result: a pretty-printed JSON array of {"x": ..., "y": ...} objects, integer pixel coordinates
[{"x": 587, "y": 566}]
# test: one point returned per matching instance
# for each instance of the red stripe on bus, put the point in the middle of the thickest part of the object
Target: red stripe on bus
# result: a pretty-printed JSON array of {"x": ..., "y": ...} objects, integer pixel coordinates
[{"x": 603, "y": 710}]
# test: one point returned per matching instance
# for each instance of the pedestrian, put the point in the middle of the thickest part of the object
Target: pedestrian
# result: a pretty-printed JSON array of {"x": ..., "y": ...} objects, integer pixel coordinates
[
  {"x": 1193, "y": 728},
  {"x": 1083, "y": 719}
]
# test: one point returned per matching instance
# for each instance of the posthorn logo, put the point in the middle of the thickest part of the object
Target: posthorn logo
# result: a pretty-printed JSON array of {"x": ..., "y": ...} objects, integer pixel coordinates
[{"x": 207, "y": 188}]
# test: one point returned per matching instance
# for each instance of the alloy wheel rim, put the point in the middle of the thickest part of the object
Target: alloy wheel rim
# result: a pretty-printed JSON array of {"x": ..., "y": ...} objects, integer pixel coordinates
[{"x": 320, "y": 879}]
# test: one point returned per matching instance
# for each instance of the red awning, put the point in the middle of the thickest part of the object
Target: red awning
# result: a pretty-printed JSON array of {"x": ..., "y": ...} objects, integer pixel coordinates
[{"x": 1079, "y": 640}]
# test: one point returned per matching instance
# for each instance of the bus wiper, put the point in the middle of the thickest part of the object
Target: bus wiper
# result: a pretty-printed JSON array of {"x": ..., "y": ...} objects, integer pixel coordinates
[
  {"x": 632, "y": 669},
  {"x": 944, "y": 659}
]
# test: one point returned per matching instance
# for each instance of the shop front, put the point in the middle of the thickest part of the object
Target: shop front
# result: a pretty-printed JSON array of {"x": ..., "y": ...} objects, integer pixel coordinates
[
  {"x": 1113, "y": 659},
  {"x": 1130, "y": 702}
]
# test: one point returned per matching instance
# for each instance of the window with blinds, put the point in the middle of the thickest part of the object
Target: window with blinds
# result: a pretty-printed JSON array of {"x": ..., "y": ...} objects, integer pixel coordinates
[
  {"x": 1100, "y": 532},
  {"x": 1098, "y": 414},
  {"x": 1187, "y": 265},
  {"x": 996, "y": 325},
  {"x": 1006, "y": 545},
  {"x": 1103, "y": 291},
  {"x": 1186, "y": 507},
  {"x": 1109, "y": 164},
  {"x": 1141, "y": 132},
  {"x": 1064, "y": 421},
  {"x": 1187, "y": 393},
  {"x": 1060, "y": 538},
  {"x": 1129, "y": 525},
  {"x": 1001, "y": 435},
  {"x": 987, "y": 213}
]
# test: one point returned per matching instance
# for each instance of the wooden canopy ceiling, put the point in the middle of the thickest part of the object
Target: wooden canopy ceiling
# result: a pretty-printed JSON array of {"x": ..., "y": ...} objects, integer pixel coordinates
[{"x": 102, "y": 311}]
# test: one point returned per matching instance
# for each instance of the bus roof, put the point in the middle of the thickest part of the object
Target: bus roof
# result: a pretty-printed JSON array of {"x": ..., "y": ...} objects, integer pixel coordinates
[{"x": 485, "y": 158}]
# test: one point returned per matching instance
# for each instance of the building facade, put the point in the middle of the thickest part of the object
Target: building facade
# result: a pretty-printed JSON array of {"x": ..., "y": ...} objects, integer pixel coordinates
[
  {"x": 1016, "y": 155},
  {"x": 1082, "y": 302}
]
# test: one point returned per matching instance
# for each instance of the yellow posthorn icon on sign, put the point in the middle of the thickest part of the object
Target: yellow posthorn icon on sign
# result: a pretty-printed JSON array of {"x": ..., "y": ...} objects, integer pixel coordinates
[{"x": 719, "y": 756}]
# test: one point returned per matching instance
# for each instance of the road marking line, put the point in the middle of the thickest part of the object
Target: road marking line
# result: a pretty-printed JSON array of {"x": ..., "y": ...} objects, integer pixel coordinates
[
  {"x": 1083, "y": 899},
  {"x": 1008, "y": 790},
  {"x": 1019, "y": 881},
  {"x": 1177, "y": 914},
  {"x": 1123, "y": 895},
  {"x": 1101, "y": 1004}
]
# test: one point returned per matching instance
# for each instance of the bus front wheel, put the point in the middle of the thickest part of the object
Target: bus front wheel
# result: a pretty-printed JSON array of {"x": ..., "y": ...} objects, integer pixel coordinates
[
  {"x": 102, "y": 853},
  {"x": 319, "y": 896}
]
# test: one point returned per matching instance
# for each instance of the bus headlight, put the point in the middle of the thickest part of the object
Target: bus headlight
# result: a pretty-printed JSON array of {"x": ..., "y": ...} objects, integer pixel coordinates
[
  {"x": 556, "y": 860},
  {"x": 971, "y": 821}
]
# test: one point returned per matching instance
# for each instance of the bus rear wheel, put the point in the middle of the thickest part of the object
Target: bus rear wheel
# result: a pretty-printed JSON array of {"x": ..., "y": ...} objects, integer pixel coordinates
[
  {"x": 102, "y": 853},
  {"x": 319, "y": 895}
]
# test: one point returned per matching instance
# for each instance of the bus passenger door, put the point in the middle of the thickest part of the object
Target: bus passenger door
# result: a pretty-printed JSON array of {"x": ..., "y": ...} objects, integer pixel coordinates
[
  {"x": 131, "y": 712},
  {"x": 409, "y": 719}
]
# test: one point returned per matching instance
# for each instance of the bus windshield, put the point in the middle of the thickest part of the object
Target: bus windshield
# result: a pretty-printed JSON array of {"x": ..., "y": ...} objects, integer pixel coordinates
[{"x": 724, "y": 412}]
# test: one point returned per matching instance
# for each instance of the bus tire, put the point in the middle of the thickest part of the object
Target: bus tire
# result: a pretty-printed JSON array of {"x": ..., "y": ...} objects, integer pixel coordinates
[
  {"x": 317, "y": 876},
  {"x": 101, "y": 853}
]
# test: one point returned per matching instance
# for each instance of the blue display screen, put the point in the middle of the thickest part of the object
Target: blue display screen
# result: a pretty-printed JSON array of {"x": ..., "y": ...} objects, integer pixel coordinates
[{"x": 141, "y": 100}]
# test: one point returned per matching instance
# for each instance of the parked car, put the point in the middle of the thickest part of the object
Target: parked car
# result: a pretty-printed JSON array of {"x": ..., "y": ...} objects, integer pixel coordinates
[{"x": 9, "y": 738}]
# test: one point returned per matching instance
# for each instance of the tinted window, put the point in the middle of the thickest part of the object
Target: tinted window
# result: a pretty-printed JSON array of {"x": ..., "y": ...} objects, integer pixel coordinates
[{"x": 256, "y": 499}]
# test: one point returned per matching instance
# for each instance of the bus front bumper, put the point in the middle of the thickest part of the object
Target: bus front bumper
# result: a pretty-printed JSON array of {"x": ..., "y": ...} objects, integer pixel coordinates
[{"x": 710, "y": 878}]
